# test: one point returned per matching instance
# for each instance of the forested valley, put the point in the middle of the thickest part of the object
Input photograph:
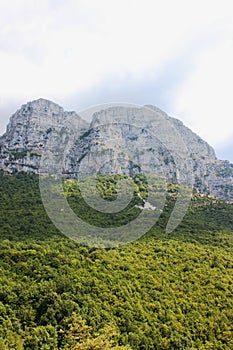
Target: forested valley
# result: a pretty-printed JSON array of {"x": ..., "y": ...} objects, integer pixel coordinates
[{"x": 162, "y": 291}]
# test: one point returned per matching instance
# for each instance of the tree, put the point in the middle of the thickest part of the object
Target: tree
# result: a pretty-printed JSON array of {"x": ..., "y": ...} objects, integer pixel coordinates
[{"x": 81, "y": 337}]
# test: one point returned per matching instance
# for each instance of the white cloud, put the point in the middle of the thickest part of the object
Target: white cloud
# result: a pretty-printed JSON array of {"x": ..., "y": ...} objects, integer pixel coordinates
[
  {"x": 204, "y": 99},
  {"x": 81, "y": 42}
]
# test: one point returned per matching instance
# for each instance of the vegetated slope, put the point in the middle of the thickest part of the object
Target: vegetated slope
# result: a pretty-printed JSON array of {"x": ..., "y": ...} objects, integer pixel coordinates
[{"x": 164, "y": 291}]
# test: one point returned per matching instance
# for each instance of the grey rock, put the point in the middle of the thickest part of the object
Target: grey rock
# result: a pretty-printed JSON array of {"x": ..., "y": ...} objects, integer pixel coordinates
[
  {"x": 32, "y": 130},
  {"x": 122, "y": 140}
]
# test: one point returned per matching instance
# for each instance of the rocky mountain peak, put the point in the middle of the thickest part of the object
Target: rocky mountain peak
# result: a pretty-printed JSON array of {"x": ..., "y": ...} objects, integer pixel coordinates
[
  {"x": 42, "y": 104},
  {"x": 120, "y": 139},
  {"x": 31, "y": 129}
]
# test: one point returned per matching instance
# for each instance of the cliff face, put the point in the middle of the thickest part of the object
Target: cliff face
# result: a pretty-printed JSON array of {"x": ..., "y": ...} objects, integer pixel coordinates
[
  {"x": 35, "y": 127},
  {"x": 123, "y": 140}
]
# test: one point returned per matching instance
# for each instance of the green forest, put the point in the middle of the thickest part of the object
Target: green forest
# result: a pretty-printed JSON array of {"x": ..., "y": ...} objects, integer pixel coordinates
[{"x": 162, "y": 291}]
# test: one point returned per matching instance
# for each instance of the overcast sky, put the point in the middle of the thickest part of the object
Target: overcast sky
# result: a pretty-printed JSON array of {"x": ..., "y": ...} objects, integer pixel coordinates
[{"x": 177, "y": 55}]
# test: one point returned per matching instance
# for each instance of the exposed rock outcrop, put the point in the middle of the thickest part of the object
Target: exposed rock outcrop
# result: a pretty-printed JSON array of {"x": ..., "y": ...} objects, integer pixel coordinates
[
  {"x": 123, "y": 140},
  {"x": 34, "y": 127}
]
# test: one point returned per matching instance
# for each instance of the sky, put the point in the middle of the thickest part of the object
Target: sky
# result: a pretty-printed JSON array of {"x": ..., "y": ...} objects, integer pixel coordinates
[{"x": 176, "y": 55}]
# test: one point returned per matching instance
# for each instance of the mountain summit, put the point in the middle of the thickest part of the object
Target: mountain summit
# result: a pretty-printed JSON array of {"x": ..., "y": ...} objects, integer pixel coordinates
[{"x": 120, "y": 139}]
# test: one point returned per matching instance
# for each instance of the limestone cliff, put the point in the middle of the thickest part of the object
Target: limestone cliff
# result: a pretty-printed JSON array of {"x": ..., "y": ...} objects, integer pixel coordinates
[
  {"x": 119, "y": 139},
  {"x": 31, "y": 129}
]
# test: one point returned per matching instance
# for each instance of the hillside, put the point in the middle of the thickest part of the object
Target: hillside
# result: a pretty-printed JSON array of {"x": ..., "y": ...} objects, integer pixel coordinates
[
  {"x": 164, "y": 291},
  {"x": 42, "y": 137}
]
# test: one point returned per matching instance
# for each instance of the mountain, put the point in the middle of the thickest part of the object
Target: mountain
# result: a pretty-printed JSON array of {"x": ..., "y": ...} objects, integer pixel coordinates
[
  {"x": 166, "y": 290},
  {"x": 42, "y": 137},
  {"x": 30, "y": 130}
]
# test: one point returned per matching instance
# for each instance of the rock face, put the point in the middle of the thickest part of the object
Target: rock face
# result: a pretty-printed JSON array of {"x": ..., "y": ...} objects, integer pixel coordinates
[
  {"x": 120, "y": 139},
  {"x": 31, "y": 130}
]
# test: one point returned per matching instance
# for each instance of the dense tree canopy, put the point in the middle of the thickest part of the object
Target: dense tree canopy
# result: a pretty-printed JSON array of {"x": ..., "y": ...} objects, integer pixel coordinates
[{"x": 164, "y": 291}]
